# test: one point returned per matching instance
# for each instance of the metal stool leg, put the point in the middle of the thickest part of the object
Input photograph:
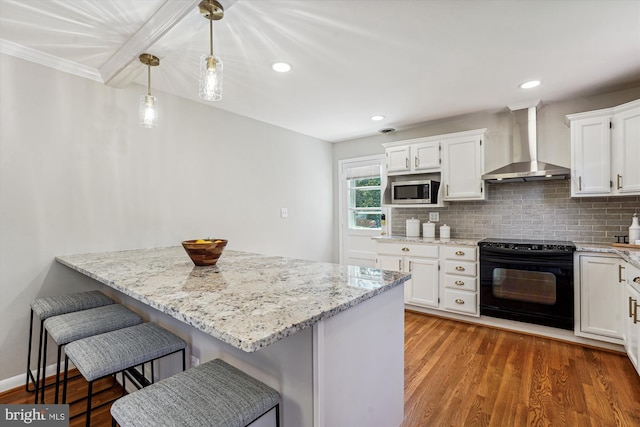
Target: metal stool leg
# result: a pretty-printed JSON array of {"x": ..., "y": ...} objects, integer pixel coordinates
[
  {"x": 30, "y": 377},
  {"x": 42, "y": 369}
]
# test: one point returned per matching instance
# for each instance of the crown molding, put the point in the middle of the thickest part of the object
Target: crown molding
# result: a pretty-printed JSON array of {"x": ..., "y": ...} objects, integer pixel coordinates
[{"x": 33, "y": 55}]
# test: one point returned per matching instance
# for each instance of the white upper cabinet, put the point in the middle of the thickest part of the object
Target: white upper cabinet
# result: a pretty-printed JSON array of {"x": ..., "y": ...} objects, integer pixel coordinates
[
  {"x": 463, "y": 166},
  {"x": 412, "y": 156},
  {"x": 590, "y": 156},
  {"x": 605, "y": 151},
  {"x": 626, "y": 144},
  {"x": 455, "y": 159}
]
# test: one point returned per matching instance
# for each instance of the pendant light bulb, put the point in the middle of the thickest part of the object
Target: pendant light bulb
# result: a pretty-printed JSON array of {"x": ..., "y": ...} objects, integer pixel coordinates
[
  {"x": 148, "y": 103},
  {"x": 210, "y": 65}
]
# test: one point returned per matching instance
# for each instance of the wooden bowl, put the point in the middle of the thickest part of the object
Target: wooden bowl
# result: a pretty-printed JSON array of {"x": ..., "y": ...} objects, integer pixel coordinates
[{"x": 204, "y": 254}]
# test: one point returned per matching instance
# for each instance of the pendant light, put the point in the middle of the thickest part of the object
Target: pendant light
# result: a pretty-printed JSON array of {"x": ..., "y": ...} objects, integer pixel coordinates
[
  {"x": 148, "y": 106},
  {"x": 211, "y": 65}
]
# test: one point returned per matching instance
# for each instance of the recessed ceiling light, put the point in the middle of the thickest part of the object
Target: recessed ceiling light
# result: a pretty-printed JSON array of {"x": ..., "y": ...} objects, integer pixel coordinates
[
  {"x": 530, "y": 84},
  {"x": 281, "y": 67},
  {"x": 377, "y": 118}
]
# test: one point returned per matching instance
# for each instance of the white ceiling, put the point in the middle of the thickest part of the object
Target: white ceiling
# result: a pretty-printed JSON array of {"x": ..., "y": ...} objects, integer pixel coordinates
[{"x": 413, "y": 61}]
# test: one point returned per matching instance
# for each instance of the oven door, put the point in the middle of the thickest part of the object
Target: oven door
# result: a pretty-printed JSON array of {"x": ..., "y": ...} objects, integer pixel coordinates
[{"x": 534, "y": 286}]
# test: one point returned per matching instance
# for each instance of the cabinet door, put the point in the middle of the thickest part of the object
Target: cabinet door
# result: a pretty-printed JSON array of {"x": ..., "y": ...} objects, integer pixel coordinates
[
  {"x": 626, "y": 149},
  {"x": 631, "y": 315},
  {"x": 632, "y": 326},
  {"x": 601, "y": 292},
  {"x": 424, "y": 282},
  {"x": 389, "y": 262},
  {"x": 426, "y": 156},
  {"x": 591, "y": 156},
  {"x": 462, "y": 165},
  {"x": 398, "y": 159}
]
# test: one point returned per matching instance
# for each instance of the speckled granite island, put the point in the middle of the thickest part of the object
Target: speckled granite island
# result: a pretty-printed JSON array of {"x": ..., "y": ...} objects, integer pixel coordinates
[{"x": 329, "y": 337}]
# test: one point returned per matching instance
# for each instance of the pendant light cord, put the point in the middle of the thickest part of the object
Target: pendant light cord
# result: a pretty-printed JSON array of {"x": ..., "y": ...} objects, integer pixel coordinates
[
  {"x": 149, "y": 79},
  {"x": 210, "y": 37}
]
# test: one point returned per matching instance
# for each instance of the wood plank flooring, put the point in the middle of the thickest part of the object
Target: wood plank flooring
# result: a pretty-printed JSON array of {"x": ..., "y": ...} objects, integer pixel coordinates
[{"x": 459, "y": 375}]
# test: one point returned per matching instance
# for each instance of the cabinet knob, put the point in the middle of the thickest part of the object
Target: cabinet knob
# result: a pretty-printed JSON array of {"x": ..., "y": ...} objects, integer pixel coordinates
[
  {"x": 460, "y": 301},
  {"x": 637, "y": 279},
  {"x": 460, "y": 268},
  {"x": 405, "y": 249},
  {"x": 459, "y": 253},
  {"x": 459, "y": 283}
]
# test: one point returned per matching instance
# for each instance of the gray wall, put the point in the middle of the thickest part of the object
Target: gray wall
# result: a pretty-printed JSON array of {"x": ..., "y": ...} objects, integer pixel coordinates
[{"x": 79, "y": 175}]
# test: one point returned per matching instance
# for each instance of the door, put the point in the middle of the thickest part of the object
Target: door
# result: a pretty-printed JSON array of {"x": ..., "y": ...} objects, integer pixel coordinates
[
  {"x": 423, "y": 289},
  {"x": 361, "y": 184},
  {"x": 591, "y": 151},
  {"x": 462, "y": 165}
]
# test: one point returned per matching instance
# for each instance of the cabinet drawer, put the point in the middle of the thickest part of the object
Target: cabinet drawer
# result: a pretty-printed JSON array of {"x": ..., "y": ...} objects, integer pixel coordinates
[
  {"x": 464, "y": 302},
  {"x": 464, "y": 253},
  {"x": 402, "y": 249},
  {"x": 460, "y": 268},
  {"x": 462, "y": 283}
]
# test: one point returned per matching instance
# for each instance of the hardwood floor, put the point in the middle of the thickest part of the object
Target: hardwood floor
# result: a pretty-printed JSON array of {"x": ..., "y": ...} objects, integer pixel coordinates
[
  {"x": 77, "y": 389},
  {"x": 460, "y": 375}
]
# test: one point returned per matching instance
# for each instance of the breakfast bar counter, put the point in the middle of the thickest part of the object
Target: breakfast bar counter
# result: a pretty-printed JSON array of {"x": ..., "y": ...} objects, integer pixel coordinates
[{"x": 344, "y": 322}]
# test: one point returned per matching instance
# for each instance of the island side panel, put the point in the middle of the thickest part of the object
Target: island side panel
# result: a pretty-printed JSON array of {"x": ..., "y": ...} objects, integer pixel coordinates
[
  {"x": 359, "y": 364},
  {"x": 285, "y": 365}
]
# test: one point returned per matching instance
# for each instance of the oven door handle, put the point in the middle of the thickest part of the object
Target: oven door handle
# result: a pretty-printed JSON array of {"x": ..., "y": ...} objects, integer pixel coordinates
[{"x": 542, "y": 262}]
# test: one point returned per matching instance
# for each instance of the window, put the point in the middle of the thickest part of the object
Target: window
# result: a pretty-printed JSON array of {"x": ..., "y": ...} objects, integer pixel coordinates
[{"x": 364, "y": 186}]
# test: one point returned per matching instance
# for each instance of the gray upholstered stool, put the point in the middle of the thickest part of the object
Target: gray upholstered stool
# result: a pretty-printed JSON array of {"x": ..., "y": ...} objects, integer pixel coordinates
[
  {"x": 46, "y": 307},
  {"x": 102, "y": 355},
  {"x": 214, "y": 394},
  {"x": 71, "y": 327}
]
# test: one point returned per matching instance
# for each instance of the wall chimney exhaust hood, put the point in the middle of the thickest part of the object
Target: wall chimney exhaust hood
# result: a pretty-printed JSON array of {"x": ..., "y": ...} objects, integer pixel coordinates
[{"x": 524, "y": 134}]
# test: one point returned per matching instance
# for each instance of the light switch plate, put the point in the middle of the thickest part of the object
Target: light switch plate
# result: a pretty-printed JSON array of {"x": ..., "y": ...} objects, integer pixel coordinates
[
  {"x": 434, "y": 216},
  {"x": 284, "y": 212}
]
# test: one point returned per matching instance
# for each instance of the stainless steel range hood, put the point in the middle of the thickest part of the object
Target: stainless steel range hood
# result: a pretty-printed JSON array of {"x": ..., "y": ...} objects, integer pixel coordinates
[{"x": 525, "y": 142}]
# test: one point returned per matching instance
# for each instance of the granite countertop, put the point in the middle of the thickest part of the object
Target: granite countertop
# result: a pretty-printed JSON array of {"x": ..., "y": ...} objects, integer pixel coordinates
[
  {"x": 253, "y": 301},
  {"x": 425, "y": 240},
  {"x": 632, "y": 256}
]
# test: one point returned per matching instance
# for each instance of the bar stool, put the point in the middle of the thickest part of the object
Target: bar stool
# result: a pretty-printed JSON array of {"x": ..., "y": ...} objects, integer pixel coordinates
[
  {"x": 214, "y": 394},
  {"x": 71, "y": 327},
  {"x": 102, "y": 355},
  {"x": 46, "y": 307}
]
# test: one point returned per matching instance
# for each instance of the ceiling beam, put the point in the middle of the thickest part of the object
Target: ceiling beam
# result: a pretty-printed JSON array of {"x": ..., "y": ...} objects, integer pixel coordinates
[{"x": 115, "y": 71}]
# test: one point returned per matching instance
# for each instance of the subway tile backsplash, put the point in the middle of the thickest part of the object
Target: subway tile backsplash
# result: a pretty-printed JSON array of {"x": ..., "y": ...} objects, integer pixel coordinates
[{"x": 532, "y": 210}]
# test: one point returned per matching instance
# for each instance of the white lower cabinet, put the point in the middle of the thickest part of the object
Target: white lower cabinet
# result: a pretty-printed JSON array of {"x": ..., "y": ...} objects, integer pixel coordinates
[
  {"x": 599, "y": 297},
  {"x": 632, "y": 316},
  {"x": 460, "y": 279},
  {"x": 419, "y": 260},
  {"x": 442, "y": 277}
]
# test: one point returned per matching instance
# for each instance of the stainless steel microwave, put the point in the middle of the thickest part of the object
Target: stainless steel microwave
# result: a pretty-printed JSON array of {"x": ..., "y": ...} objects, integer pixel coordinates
[{"x": 424, "y": 191}]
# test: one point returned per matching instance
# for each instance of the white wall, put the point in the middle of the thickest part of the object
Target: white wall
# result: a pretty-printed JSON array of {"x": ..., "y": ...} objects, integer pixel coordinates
[{"x": 79, "y": 175}]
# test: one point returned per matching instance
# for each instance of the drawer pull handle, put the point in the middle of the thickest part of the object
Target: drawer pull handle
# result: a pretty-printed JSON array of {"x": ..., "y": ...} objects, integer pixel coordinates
[
  {"x": 631, "y": 301},
  {"x": 637, "y": 279},
  {"x": 460, "y": 268},
  {"x": 460, "y": 253},
  {"x": 460, "y": 301},
  {"x": 459, "y": 283},
  {"x": 620, "y": 268},
  {"x": 405, "y": 249}
]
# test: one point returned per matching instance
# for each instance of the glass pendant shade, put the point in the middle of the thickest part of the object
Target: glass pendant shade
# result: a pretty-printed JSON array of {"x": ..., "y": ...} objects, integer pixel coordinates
[
  {"x": 210, "y": 78},
  {"x": 148, "y": 111}
]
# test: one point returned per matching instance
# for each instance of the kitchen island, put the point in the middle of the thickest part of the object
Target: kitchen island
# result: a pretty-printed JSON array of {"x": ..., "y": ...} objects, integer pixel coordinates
[{"x": 329, "y": 337}]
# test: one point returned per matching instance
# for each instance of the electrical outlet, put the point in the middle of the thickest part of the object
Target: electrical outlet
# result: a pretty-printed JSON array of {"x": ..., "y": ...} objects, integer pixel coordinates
[
  {"x": 194, "y": 361},
  {"x": 284, "y": 212},
  {"x": 434, "y": 216}
]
